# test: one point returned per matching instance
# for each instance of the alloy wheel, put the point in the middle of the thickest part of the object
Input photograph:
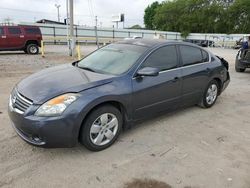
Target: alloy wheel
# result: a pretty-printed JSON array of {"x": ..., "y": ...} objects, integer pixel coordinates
[
  {"x": 104, "y": 129},
  {"x": 211, "y": 94},
  {"x": 33, "y": 50}
]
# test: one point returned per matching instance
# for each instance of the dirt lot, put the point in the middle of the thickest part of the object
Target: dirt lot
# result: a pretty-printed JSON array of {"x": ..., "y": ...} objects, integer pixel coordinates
[{"x": 193, "y": 147}]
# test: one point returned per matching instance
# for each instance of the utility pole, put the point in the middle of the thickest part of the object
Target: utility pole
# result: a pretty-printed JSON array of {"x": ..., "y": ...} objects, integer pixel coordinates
[
  {"x": 96, "y": 34},
  {"x": 58, "y": 11},
  {"x": 72, "y": 39},
  {"x": 67, "y": 24}
]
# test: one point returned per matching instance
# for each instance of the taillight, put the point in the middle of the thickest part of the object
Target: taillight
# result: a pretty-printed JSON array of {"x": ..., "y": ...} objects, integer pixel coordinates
[{"x": 224, "y": 62}]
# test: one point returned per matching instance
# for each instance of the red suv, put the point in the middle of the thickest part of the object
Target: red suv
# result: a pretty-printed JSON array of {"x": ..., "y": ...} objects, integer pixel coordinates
[{"x": 26, "y": 38}]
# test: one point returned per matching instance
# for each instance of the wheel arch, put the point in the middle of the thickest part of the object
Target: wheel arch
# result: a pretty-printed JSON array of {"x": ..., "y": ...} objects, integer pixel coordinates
[
  {"x": 117, "y": 104},
  {"x": 220, "y": 84},
  {"x": 31, "y": 42}
]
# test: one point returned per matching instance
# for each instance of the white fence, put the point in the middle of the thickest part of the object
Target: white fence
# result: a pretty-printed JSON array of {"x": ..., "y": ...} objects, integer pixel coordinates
[{"x": 58, "y": 34}]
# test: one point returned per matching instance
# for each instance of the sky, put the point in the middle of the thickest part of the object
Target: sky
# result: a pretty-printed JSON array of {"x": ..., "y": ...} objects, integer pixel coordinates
[{"x": 84, "y": 11}]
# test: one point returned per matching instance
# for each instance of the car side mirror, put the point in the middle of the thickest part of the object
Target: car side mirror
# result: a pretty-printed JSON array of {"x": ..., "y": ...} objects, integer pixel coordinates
[{"x": 148, "y": 71}]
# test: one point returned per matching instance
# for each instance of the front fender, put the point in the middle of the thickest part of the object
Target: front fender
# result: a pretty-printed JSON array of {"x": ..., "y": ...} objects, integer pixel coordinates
[{"x": 104, "y": 94}]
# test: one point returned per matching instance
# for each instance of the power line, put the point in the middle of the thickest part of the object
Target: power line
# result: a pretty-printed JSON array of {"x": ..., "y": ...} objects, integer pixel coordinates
[
  {"x": 83, "y": 15},
  {"x": 21, "y": 10},
  {"x": 79, "y": 16},
  {"x": 91, "y": 10}
]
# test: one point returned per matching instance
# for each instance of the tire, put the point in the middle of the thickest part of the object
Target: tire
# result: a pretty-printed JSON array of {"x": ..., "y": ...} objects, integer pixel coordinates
[
  {"x": 239, "y": 69},
  {"x": 208, "y": 101},
  {"x": 98, "y": 127},
  {"x": 32, "y": 49}
]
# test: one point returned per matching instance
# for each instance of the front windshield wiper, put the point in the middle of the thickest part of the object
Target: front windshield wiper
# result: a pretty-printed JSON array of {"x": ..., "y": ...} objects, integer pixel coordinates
[{"x": 86, "y": 68}]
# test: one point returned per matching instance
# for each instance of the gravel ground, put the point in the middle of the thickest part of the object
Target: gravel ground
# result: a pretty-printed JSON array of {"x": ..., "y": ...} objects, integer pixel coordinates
[{"x": 192, "y": 147}]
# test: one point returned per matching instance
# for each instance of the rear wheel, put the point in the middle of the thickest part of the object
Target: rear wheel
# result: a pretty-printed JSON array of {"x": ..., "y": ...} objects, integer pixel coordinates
[
  {"x": 210, "y": 95},
  {"x": 101, "y": 128},
  {"x": 32, "y": 49}
]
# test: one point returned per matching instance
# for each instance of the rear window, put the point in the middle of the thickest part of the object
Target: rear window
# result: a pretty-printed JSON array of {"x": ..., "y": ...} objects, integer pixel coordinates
[
  {"x": 14, "y": 30},
  {"x": 32, "y": 30},
  {"x": 1, "y": 31},
  {"x": 190, "y": 55},
  {"x": 205, "y": 56}
]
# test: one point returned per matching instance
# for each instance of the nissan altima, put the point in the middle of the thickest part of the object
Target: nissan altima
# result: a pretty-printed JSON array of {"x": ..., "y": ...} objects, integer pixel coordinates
[{"x": 90, "y": 101}]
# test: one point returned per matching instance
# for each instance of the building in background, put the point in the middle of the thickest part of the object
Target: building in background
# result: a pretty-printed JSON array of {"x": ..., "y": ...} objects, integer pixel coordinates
[{"x": 45, "y": 21}]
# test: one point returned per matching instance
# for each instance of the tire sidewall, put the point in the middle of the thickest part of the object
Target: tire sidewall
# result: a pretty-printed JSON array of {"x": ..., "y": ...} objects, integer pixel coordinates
[
  {"x": 32, "y": 45},
  {"x": 204, "y": 101},
  {"x": 85, "y": 131}
]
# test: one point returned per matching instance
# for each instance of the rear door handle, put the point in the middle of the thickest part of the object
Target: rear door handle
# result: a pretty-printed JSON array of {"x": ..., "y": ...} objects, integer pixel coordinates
[
  {"x": 175, "y": 79},
  {"x": 208, "y": 70}
]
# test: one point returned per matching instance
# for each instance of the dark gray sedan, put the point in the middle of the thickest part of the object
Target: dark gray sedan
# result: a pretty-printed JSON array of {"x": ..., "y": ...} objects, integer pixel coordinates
[{"x": 93, "y": 99}]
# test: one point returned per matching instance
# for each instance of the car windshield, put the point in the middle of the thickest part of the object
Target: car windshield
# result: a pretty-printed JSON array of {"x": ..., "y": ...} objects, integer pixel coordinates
[{"x": 112, "y": 59}]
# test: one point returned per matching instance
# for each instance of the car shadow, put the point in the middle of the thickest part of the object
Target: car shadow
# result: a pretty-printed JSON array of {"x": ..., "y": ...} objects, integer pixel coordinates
[
  {"x": 80, "y": 150},
  {"x": 247, "y": 71},
  {"x": 157, "y": 117},
  {"x": 13, "y": 53}
]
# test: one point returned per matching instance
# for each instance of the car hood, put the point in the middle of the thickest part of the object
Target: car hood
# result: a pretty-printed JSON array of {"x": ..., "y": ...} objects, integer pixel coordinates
[{"x": 51, "y": 82}]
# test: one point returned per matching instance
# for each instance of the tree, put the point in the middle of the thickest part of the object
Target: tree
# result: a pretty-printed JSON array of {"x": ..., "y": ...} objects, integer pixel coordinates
[
  {"x": 149, "y": 15},
  {"x": 136, "y": 27},
  {"x": 199, "y": 16},
  {"x": 239, "y": 16},
  {"x": 7, "y": 21}
]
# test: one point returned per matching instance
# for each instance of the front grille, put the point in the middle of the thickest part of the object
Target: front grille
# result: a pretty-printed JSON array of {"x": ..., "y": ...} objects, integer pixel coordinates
[{"x": 20, "y": 103}]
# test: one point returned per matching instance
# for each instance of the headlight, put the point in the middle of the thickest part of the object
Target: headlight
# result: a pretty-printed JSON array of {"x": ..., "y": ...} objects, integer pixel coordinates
[{"x": 57, "y": 105}]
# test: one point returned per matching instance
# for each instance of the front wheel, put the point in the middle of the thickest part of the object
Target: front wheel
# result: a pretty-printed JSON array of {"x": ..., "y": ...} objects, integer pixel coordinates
[
  {"x": 101, "y": 128},
  {"x": 210, "y": 95}
]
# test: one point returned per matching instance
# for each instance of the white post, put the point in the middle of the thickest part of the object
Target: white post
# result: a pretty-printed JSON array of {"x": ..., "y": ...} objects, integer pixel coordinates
[
  {"x": 72, "y": 39},
  {"x": 96, "y": 34},
  {"x": 67, "y": 24}
]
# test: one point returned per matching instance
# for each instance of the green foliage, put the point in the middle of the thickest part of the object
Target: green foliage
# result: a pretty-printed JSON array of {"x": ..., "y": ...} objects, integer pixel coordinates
[
  {"x": 239, "y": 16},
  {"x": 184, "y": 34},
  {"x": 149, "y": 15},
  {"x": 136, "y": 27},
  {"x": 199, "y": 16}
]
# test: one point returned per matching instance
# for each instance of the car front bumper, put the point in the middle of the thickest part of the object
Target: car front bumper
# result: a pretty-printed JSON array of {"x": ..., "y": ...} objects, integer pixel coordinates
[{"x": 61, "y": 131}]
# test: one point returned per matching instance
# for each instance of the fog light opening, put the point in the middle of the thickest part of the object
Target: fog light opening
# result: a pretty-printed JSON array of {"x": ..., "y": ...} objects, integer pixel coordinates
[{"x": 36, "y": 139}]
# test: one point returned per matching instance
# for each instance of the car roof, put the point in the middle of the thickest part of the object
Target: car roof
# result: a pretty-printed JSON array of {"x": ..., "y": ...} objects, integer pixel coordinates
[
  {"x": 142, "y": 42},
  {"x": 152, "y": 42},
  {"x": 23, "y": 26}
]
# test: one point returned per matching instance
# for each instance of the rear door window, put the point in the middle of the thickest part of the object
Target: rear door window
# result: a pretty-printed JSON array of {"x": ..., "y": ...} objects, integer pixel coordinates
[
  {"x": 164, "y": 58},
  {"x": 32, "y": 30},
  {"x": 14, "y": 30},
  {"x": 190, "y": 55},
  {"x": 1, "y": 31}
]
